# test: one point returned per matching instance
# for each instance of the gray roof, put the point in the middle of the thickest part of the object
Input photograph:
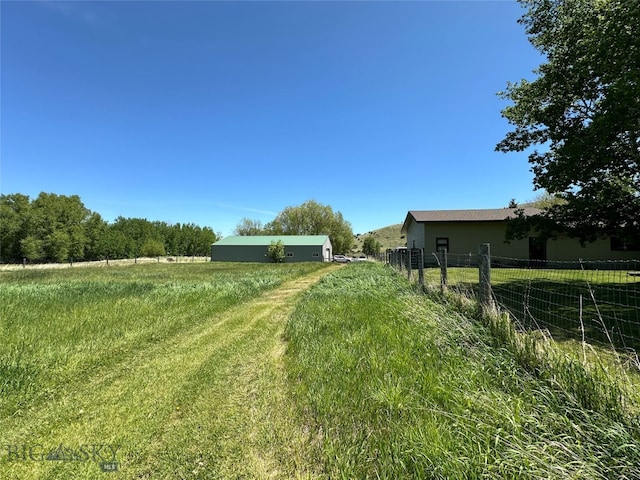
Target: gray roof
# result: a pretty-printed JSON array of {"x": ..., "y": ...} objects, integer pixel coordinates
[{"x": 478, "y": 215}]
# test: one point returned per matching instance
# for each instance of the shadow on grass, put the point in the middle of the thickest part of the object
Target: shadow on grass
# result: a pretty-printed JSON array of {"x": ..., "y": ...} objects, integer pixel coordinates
[
  {"x": 606, "y": 314},
  {"x": 601, "y": 307}
]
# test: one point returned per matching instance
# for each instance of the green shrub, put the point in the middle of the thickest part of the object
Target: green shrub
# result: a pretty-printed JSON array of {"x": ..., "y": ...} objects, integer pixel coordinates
[{"x": 275, "y": 251}]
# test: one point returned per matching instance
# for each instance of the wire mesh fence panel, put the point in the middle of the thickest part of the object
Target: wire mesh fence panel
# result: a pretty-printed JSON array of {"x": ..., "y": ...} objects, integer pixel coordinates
[
  {"x": 462, "y": 273},
  {"x": 593, "y": 301},
  {"x": 598, "y": 302}
]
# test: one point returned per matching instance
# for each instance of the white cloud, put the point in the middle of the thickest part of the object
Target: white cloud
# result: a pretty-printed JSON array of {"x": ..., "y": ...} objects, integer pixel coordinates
[{"x": 76, "y": 11}]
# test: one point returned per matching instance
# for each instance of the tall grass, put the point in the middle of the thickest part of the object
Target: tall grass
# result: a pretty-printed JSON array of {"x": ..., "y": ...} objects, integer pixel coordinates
[
  {"x": 176, "y": 366},
  {"x": 397, "y": 385},
  {"x": 55, "y": 324}
]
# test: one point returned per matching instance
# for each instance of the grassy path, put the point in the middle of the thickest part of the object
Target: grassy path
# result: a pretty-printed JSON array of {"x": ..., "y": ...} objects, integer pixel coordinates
[{"x": 208, "y": 402}]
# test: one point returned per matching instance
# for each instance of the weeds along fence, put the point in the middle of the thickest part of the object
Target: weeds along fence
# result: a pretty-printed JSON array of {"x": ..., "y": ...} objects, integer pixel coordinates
[{"x": 589, "y": 301}]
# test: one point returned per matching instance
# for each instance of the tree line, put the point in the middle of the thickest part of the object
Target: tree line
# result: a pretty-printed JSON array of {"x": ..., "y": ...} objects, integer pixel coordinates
[{"x": 59, "y": 228}]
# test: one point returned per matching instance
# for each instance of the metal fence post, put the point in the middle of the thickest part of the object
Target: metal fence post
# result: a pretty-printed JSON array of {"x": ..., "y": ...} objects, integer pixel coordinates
[
  {"x": 421, "y": 267},
  {"x": 409, "y": 259},
  {"x": 484, "y": 260}
]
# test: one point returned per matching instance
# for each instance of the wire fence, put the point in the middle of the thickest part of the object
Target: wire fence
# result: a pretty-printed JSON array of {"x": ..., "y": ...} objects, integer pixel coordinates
[
  {"x": 589, "y": 301},
  {"x": 106, "y": 263}
]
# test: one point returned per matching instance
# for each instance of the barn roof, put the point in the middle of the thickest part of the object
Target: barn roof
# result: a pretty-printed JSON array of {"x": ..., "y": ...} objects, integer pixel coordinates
[
  {"x": 287, "y": 240},
  {"x": 477, "y": 215}
]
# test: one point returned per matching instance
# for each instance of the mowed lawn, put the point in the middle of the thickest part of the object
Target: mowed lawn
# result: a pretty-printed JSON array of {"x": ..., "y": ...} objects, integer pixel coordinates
[{"x": 158, "y": 371}]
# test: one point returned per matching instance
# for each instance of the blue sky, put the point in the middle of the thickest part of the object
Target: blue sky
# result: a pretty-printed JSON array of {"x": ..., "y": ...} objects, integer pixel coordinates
[{"x": 208, "y": 112}]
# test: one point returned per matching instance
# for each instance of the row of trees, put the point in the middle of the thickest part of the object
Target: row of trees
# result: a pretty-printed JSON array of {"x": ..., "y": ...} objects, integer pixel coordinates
[
  {"x": 310, "y": 218},
  {"x": 59, "y": 228}
]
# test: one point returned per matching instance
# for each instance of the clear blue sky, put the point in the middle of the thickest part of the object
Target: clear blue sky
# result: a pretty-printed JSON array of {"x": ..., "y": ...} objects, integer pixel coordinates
[{"x": 208, "y": 112}]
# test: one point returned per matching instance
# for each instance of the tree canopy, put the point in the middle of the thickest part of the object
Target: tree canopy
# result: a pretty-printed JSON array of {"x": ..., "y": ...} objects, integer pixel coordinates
[
  {"x": 59, "y": 228},
  {"x": 370, "y": 246},
  {"x": 310, "y": 218},
  {"x": 583, "y": 110},
  {"x": 248, "y": 227}
]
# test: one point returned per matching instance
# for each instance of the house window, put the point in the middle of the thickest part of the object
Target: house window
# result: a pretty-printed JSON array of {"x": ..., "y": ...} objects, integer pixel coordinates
[
  {"x": 625, "y": 245},
  {"x": 442, "y": 244},
  {"x": 289, "y": 254}
]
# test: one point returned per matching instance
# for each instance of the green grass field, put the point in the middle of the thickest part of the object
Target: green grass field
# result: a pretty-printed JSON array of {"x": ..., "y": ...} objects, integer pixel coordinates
[
  {"x": 174, "y": 369},
  {"x": 216, "y": 371}
]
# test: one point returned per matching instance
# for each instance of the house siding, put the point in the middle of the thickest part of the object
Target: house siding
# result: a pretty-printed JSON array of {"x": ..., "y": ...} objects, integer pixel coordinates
[
  {"x": 416, "y": 233},
  {"x": 465, "y": 236},
  {"x": 567, "y": 249}
]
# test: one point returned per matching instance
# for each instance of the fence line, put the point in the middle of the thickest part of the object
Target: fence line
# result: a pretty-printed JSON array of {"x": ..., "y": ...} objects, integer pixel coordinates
[
  {"x": 107, "y": 262},
  {"x": 593, "y": 301}
]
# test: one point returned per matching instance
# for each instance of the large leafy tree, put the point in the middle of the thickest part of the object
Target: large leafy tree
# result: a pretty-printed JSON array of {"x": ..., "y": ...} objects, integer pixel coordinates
[
  {"x": 583, "y": 110},
  {"x": 58, "y": 221},
  {"x": 370, "y": 246},
  {"x": 249, "y": 227},
  {"x": 15, "y": 217},
  {"x": 96, "y": 247},
  {"x": 197, "y": 240},
  {"x": 313, "y": 218}
]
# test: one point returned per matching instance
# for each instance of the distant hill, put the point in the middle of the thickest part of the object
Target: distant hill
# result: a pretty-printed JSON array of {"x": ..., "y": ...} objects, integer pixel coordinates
[{"x": 389, "y": 237}]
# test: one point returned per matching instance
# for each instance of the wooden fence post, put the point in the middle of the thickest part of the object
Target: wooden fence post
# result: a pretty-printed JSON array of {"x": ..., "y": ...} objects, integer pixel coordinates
[
  {"x": 443, "y": 271},
  {"x": 421, "y": 267},
  {"x": 484, "y": 269},
  {"x": 409, "y": 263}
]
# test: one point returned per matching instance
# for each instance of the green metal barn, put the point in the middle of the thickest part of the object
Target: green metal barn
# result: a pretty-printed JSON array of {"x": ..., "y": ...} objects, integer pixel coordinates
[{"x": 253, "y": 248}]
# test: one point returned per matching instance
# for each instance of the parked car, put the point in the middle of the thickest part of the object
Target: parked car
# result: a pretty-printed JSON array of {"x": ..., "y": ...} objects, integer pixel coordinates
[
  {"x": 361, "y": 258},
  {"x": 341, "y": 259}
]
